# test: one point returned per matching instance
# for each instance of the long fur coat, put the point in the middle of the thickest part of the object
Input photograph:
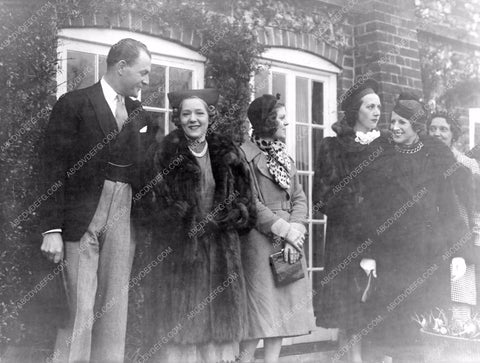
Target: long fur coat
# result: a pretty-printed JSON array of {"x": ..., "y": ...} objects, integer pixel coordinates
[
  {"x": 417, "y": 223},
  {"x": 339, "y": 190},
  {"x": 200, "y": 287}
]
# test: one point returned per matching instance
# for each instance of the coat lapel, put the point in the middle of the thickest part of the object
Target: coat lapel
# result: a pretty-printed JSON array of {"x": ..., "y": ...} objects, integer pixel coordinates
[
  {"x": 263, "y": 168},
  {"x": 251, "y": 154},
  {"x": 102, "y": 110}
]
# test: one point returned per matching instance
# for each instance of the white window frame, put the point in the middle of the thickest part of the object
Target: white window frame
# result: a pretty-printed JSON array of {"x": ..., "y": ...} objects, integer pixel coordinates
[
  {"x": 99, "y": 41},
  {"x": 473, "y": 120}
]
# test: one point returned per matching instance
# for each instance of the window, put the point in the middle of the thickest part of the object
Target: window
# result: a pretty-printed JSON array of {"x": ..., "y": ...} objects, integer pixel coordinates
[
  {"x": 474, "y": 127},
  {"x": 307, "y": 86},
  {"x": 83, "y": 54}
]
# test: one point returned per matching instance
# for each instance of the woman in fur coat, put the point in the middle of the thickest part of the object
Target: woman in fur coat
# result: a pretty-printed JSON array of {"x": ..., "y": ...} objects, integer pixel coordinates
[
  {"x": 419, "y": 231},
  {"x": 202, "y": 200},
  {"x": 339, "y": 192}
]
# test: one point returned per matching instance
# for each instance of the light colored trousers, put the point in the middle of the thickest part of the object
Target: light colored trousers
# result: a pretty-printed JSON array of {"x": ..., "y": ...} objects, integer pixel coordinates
[{"x": 97, "y": 272}]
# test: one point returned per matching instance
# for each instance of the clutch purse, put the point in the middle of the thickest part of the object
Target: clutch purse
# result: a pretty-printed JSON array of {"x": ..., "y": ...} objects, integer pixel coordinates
[{"x": 283, "y": 272}]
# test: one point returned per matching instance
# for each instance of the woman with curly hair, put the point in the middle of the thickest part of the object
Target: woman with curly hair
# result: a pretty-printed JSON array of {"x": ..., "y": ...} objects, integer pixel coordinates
[
  {"x": 466, "y": 175},
  {"x": 202, "y": 203}
]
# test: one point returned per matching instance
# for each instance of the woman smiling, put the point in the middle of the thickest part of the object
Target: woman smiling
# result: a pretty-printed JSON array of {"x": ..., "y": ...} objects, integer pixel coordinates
[
  {"x": 202, "y": 202},
  {"x": 418, "y": 221},
  {"x": 445, "y": 128}
]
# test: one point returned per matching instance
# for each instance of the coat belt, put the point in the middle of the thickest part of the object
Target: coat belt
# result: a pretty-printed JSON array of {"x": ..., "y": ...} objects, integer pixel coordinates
[{"x": 282, "y": 205}]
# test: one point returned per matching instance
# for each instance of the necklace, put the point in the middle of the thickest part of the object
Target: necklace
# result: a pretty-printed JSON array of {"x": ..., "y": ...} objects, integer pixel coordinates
[
  {"x": 201, "y": 153},
  {"x": 412, "y": 150}
]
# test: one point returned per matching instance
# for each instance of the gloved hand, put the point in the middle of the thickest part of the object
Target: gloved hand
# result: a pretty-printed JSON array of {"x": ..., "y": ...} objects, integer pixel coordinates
[
  {"x": 295, "y": 238},
  {"x": 285, "y": 230},
  {"x": 459, "y": 267},
  {"x": 369, "y": 264},
  {"x": 298, "y": 226}
]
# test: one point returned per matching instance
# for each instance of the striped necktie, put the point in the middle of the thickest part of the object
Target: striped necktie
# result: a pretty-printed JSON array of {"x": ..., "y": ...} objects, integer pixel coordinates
[{"x": 121, "y": 114}]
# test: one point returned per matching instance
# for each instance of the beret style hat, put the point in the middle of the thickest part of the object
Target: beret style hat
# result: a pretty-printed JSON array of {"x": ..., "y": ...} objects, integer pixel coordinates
[
  {"x": 260, "y": 108},
  {"x": 409, "y": 106},
  {"x": 209, "y": 95},
  {"x": 352, "y": 98}
]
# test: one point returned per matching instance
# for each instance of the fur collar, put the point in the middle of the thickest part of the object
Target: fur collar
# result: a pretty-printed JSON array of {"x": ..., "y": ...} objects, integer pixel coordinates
[
  {"x": 439, "y": 157},
  {"x": 179, "y": 186}
]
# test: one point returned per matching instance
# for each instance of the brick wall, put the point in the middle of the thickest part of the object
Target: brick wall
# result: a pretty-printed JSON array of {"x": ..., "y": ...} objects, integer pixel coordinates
[
  {"x": 137, "y": 23},
  {"x": 386, "y": 46}
]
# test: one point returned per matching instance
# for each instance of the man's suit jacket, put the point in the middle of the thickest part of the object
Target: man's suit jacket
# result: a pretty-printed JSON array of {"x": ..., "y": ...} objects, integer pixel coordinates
[{"x": 81, "y": 138}]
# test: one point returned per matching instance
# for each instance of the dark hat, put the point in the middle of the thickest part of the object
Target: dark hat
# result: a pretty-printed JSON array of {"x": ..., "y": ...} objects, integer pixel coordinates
[
  {"x": 351, "y": 99},
  {"x": 259, "y": 110},
  {"x": 209, "y": 95},
  {"x": 409, "y": 107}
]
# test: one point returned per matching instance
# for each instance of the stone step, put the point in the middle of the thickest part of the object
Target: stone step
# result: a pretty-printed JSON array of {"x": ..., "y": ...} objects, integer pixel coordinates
[{"x": 303, "y": 352}]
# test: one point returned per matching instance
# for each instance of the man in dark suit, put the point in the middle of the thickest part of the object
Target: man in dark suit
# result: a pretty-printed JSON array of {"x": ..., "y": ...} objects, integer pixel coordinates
[{"x": 94, "y": 150}]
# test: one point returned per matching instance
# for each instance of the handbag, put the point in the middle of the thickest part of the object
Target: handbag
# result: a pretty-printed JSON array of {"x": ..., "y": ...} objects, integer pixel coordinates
[{"x": 283, "y": 272}]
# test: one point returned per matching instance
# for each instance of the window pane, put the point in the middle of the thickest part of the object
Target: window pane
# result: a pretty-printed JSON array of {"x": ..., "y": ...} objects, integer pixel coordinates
[
  {"x": 318, "y": 244},
  {"x": 261, "y": 83},
  {"x": 180, "y": 79},
  {"x": 317, "y": 103},
  {"x": 80, "y": 70},
  {"x": 154, "y": 94},
  {"x": 317, "y": 136},
  {"x": 102, "y": 66},
  {"x": 318, "y": 248},
  {"x": 477, "y": 134},
  {"x": 158, "y": 124},
  {"x": 301, "y": 146},
  {"x": 304, "y": 182},
  {"x": 302, "y": 99},
  {"x": 278, "y": 85}
]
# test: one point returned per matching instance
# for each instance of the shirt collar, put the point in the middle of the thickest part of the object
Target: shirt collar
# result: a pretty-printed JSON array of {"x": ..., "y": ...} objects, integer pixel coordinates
[{"x": 109, "y": 93}]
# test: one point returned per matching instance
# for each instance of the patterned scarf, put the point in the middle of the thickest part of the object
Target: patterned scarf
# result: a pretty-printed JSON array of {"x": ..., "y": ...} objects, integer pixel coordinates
[{"x": 278, "y": 161}]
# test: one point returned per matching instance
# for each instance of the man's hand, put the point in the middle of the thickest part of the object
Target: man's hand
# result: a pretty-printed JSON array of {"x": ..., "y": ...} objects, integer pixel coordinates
[{"x": 52, "y": 247}]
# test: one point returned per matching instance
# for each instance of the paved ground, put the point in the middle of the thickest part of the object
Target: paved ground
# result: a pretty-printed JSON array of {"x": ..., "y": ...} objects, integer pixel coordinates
[{"x": 374, "y": 354}]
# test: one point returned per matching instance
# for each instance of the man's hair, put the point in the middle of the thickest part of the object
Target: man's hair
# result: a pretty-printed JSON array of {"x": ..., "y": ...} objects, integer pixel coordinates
[{"x": 126, "y": 49}]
